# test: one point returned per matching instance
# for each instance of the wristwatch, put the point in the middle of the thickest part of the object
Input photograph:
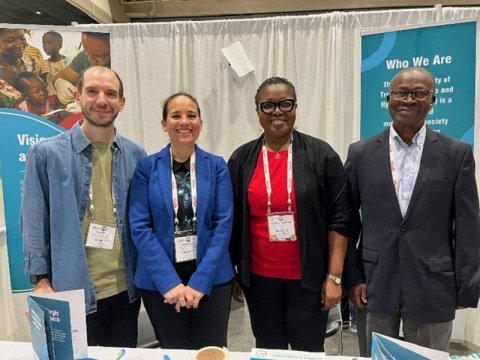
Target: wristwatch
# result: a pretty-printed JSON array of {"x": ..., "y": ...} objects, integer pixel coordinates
[
  {"x": 337, "y": 280},
  {"x": 34, "y": 279}
]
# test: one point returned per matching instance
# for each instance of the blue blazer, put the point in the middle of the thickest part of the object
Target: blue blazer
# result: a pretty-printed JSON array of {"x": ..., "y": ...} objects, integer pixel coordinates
[{"x": 151, "y": 220}]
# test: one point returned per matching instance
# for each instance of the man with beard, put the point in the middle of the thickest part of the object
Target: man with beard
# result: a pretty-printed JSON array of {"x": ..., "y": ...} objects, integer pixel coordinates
[
  {"x": 419, "y": 229},
  {"x": 73, "y": 216}
]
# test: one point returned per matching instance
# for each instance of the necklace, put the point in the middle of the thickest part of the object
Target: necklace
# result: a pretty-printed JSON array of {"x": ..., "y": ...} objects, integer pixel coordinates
[{"x": 282, "y": 148}]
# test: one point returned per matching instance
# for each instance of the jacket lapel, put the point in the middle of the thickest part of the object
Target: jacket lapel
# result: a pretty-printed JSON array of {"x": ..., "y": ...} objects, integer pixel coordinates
[
  {"x": 203, "y": 183},
  {"x": 383, "y": 160},
  {"x": 163, "y": 178}
]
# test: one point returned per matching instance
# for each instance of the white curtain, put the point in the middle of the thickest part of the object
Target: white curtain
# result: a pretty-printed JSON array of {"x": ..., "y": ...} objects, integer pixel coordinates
[
  {"x": 7, "y": 314},
  {"x": 320, "y": 54}
]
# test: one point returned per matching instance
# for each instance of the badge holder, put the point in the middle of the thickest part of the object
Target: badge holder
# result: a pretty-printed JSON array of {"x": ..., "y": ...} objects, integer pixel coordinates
[
  {"x": 101, "y": 235},
  {"x": 281, "y": 226},
  {"x": 185, "y": 246}
]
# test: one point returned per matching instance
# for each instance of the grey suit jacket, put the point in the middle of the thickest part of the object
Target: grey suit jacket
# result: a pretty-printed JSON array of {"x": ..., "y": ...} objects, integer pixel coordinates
[{"x": 431, "y": 257}]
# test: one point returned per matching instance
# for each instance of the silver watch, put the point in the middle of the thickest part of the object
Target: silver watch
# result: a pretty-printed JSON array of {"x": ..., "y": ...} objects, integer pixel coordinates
[{"x": 337, "y": 280}]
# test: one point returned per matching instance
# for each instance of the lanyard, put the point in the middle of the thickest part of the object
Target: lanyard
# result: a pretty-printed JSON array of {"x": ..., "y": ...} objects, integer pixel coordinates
[
  {"x": 392, "y": 149},
  {"x": 92, "y": 208},
  {"x": 193, "y": 183},
  {"x": 268, "y": 183}
]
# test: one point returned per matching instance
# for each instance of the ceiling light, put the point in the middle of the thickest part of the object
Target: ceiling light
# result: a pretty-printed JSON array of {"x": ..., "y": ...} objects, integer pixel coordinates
[{"x": 38, "y": 12}]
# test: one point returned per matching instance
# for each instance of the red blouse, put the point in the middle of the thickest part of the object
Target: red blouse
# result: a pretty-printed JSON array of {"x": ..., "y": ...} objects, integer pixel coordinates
[{"x": 276, "y": 259}]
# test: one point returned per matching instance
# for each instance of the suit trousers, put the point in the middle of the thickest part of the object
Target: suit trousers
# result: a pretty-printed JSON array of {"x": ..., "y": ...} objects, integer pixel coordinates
[
  {"x": 362, "y": 333},
  {"x": 115, "y": 323},
  {"x": 283, "y": 312},
  {"x": 432, "y": 335},
  {"x": 190, "y": 329}
]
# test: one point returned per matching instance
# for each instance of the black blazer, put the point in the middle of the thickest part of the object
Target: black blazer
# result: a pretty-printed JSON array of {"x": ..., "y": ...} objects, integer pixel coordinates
[
  {"x": 431, "y": 257},
  {"x": 321, "y": 199}
]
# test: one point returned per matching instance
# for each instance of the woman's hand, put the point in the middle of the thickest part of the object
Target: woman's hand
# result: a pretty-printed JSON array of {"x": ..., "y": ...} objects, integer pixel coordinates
[
  {"x": 193, "y": 297},
  {"x": 176, "y": 296},
  {"x": 237, "y": 291},
  {"x": 331, "y": 294}
]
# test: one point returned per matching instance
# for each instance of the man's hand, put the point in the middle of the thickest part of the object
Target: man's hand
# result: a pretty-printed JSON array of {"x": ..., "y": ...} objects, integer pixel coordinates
[
  {"x": 358, "y": 296},
  {"x": 42, "y": 287},
  {"x": 64, "y": 90}
]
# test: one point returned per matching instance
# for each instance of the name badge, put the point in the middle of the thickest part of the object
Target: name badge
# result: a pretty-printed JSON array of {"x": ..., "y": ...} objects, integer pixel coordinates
[
  {"x": 185, "y": 246},
  {"x": 100, "y": 236},
  {"x": 281, "y": 226}
]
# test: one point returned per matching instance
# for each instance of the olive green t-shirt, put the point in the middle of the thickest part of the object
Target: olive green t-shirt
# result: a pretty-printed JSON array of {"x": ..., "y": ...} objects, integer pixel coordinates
[{"x": 106, "y": 266}]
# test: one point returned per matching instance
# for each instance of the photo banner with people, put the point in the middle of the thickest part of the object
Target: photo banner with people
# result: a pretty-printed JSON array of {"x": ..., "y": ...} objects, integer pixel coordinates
[
  {"x": 447, "y": 50},
  {"x": 39, "y": 70}
]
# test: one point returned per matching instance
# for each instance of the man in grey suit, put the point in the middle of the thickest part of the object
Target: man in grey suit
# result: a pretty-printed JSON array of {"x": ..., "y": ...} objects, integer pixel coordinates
[{"x": 418, "y": 230}]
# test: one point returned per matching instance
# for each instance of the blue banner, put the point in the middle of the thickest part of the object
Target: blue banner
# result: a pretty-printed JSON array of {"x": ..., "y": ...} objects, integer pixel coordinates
[
  {"x": 448, "y": 51},
  {"x": 28, "y": 82},
  {"x": 20, "y": 130}
]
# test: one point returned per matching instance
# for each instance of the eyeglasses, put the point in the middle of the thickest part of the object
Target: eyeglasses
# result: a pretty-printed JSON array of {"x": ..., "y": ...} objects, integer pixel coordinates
[
  {"x": 99, "y": 57},
  {"x": 285, "y": 105},
  {"x": 415, "y": 94}
]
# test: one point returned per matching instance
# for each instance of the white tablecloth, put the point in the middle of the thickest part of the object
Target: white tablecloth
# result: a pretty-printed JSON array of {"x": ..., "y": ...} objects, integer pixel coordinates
[{"x": 10, "y": 350}]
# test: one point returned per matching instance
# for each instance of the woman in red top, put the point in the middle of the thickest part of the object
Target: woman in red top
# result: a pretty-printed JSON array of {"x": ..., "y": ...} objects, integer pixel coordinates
[{"x": 290, "y": 225}]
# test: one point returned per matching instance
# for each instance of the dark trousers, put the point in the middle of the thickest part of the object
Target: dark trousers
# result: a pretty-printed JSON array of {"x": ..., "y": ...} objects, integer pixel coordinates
[
  {"x": 284, "y": 313},
  {"x": 115, "y": 323},
  {"x": 191, "y": 328}
]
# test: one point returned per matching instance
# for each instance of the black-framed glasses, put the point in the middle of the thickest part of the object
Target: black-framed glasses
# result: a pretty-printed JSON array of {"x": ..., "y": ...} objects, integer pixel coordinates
[
  {"x": 285, "y": 105},
  {"x": 415, "y": 94}
]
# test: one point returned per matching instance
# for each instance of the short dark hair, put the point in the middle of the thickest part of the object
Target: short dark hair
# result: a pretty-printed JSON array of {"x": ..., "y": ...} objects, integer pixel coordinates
[
  {"x": 26, "y": 75},
  {"x": 171, "y": 97},
  {"x": 55, "y": 35},
  {"x": 98, "y": 35},
  {"x": 82, "y": 75},
  {"x": 4, "y": 30},
  {"x": 274, "y": 80}
]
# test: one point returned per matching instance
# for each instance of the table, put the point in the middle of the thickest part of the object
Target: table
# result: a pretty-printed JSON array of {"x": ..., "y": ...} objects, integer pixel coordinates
[{"x": 12, "y": 350}]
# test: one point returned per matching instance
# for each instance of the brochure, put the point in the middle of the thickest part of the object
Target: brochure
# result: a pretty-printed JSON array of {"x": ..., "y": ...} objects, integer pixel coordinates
[
  {"x": 387, "y": 348},
  {"x": 58, "y": 325}
]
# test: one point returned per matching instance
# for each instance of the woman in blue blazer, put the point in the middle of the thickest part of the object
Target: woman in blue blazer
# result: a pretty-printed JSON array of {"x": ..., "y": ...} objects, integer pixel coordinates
[{"x": 181, "y": 211}]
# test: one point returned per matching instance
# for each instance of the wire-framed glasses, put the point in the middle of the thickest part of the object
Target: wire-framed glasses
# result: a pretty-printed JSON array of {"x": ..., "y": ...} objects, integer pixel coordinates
[{"x": 415, "y": 94}]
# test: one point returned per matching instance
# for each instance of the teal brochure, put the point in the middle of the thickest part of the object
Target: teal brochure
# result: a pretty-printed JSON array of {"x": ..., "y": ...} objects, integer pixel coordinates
[
  {"x": 58, "y": 325},
  {"x": 38, "y": 329},
  {"x": 387, "y": 348}
]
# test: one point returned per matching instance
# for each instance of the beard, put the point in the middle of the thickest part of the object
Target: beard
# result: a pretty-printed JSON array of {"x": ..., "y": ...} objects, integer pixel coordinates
[{"x": 101, "y": 124}]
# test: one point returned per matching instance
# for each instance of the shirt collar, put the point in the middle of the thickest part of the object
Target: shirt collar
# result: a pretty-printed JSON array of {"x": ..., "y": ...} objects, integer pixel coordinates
[
  {"x": 80, "y": 141},
  {"x": 418, "y": 139}
]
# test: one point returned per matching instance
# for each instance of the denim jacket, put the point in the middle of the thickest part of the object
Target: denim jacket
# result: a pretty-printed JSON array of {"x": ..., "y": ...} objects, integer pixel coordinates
[{"x": 55, "y": 197}]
